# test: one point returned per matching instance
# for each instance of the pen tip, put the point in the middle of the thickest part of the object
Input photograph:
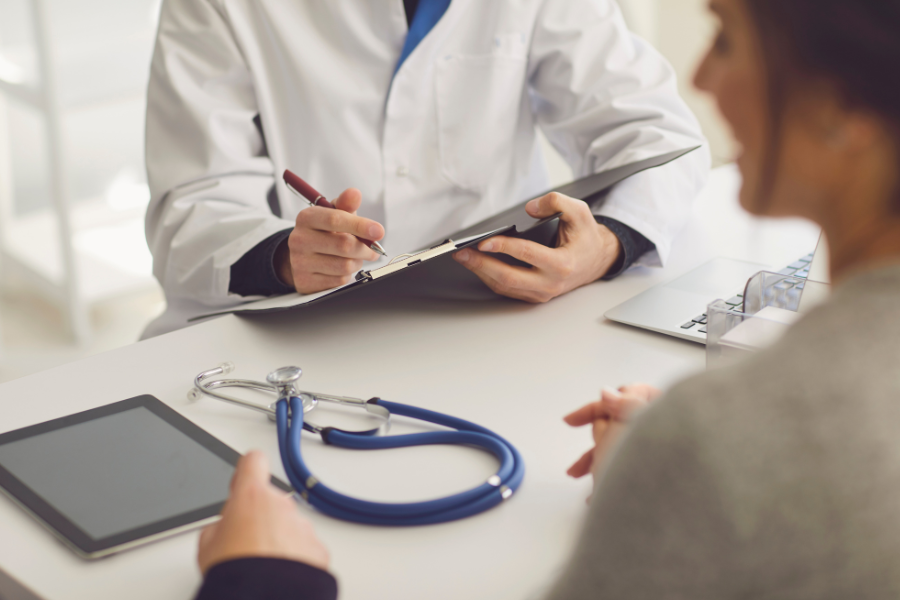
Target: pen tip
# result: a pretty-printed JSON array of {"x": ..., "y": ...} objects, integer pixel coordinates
[{"x": 377, "y": 248}]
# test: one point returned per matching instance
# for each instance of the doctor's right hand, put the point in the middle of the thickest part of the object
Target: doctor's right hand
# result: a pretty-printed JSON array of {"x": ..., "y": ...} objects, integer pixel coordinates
[{"x": 322, "y": 251}]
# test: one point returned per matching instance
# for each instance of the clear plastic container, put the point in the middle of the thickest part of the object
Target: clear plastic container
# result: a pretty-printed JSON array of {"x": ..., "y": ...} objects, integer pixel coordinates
[{"x": 772, "y": 303}]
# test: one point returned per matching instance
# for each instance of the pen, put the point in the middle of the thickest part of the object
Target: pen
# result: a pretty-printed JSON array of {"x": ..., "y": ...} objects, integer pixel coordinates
[{"x": 308, "y": 193}]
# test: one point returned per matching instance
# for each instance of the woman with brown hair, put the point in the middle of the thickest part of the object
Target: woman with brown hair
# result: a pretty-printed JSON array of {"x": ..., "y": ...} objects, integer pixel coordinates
[{"x": 778, "y": 477}]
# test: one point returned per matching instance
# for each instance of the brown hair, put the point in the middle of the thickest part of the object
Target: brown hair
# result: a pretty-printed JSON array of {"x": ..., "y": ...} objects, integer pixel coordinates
[{"x": 852, "y": 45}]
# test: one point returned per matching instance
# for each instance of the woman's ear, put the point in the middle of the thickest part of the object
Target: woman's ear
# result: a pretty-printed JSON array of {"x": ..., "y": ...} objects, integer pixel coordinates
[
  {"x": 849, "y": 130},
  {"x": 861, "y": 131}
]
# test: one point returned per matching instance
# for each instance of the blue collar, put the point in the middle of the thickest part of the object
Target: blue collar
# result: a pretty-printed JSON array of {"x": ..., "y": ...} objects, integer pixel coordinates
[{"x": 427, "y": 15}]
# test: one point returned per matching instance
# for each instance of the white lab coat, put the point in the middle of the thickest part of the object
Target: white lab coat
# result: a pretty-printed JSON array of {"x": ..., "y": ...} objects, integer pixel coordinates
[{"x": 445, "y": 143}]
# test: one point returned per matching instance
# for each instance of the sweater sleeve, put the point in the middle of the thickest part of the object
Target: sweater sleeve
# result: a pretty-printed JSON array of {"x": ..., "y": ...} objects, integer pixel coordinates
[{"x": 267, "y": 579}]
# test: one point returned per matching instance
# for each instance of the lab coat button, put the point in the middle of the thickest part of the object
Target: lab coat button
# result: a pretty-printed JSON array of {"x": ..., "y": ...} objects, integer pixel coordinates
[{"x": 402, "y": 171}]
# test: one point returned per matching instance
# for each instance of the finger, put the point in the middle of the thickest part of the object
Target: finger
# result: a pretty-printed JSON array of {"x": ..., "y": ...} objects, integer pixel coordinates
[
  {"x": 335, "y": 266},
  {"x": 641, "y": 391},
  {"x": 207, "y": 535},
  {"x": 612, "y": 401},
  {"x": 506, "y": 277},
  {"x": 349, "y": 201},
  {"x": 599, "y": 430},
  {"x": 586, "y": 414},
  {"x": 610, "y": 394},
  {"x": 312, "y": 241},
  {"x": 626, "y": 409},
  {"x": 527, "y": 251},
  {"x": 573, "y": 211},
  {"x": 252, "y": 470},
  {"x": 582, "y": 466},
  {"x": 620, "y": 407},
  {"x": 207, "y": 541},
  {"x": 338, "y": 221},
  {"x": 310, "y": 283},
  {"x": 529, "y": 296}
]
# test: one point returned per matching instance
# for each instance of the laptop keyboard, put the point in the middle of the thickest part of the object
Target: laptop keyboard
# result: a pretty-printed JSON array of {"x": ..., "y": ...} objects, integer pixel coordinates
[{"x": 797, "y": 270}]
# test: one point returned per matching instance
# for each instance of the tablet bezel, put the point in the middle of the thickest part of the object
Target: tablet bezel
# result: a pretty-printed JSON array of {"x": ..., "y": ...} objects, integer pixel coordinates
[{"x": 73, "y": 536}]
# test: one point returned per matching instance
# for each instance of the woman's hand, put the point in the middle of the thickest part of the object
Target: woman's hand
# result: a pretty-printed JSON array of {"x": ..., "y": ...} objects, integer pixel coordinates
[
  {"x": 259, "y": 520},
  {"x": 585, "y": 253},
  {"x": 609, "y": 417}
]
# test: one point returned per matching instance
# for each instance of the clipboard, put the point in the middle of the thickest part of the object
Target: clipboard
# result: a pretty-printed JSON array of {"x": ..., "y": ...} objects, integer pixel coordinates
[{"x": 432, "y": 273}]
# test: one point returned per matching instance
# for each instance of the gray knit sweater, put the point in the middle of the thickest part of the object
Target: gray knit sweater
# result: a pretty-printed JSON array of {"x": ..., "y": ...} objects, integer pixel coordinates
[{"x": 776, "y": 478}]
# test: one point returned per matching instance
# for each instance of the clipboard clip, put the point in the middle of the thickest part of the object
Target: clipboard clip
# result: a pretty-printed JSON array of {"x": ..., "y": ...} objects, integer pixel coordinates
[{"x": 406, "y": 260}]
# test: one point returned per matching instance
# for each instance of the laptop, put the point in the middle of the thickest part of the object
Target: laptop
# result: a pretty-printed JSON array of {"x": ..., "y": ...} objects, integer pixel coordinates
[{"x": 678, "y": 308}]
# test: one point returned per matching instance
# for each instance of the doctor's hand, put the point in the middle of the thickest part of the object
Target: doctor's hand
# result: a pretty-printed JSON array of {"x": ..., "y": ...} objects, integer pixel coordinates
[
  {"x": 322, "y": 252},
  {"x": 585, "y": 252},
  {"x": 609, "y": 417},
  {"x": 259, "y": 520}
]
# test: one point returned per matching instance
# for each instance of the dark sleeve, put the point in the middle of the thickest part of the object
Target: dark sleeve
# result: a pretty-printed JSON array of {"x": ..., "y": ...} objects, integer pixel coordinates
[
  {"x": 634, "y": 246},
  {"x": 254, "y": 273},
  {"x": 267, "y": 579}
]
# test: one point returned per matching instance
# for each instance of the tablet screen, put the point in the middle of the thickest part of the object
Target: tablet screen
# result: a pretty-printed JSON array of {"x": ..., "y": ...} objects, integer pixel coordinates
[
  {"x": 119, "y": 472},
  {"x": 110, "y": 476}
]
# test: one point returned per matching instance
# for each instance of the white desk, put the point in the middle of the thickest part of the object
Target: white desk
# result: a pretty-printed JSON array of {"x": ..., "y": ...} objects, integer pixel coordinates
[{"x": 528, "y": 367}]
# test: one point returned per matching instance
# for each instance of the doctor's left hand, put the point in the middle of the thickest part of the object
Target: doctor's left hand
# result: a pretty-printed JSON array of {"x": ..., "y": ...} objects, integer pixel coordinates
[{"x": 585, "y": 253}]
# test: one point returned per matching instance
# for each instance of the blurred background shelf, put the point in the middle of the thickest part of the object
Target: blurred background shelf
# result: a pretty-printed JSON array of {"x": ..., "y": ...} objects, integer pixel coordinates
[
  {"x": 72, "y": 190},
  {"x": 111, "y": 257}
]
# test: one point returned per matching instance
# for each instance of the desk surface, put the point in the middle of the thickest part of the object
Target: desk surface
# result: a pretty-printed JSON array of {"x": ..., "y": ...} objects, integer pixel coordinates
[{"x": 509, "y": 366}]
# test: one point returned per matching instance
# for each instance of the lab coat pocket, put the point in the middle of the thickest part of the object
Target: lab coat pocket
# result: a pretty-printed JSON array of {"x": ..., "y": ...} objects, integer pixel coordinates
[{"x": 478, "y": 104}]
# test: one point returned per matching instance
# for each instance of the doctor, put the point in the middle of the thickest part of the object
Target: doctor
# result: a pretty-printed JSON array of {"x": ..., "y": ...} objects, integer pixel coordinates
[{"x": 430, "y": 109}]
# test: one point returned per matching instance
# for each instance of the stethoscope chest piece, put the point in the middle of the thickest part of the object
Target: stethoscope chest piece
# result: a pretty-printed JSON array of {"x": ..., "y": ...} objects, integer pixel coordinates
[
  {"x": 283, "y": 381},
  {"x": 285, "y": 376}
]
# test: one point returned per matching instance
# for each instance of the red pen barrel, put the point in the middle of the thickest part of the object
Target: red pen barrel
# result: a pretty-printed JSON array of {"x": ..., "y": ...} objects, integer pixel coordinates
[{"x": 308, "y": 191}]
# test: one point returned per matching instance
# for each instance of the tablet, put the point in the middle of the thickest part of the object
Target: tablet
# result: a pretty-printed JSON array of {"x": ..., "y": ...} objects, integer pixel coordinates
[{"x": 118, "y": 476}]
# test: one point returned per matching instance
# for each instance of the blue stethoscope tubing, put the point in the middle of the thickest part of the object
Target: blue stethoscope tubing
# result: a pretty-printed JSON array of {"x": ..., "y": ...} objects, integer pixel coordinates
[{"x": 458, "y": 506}]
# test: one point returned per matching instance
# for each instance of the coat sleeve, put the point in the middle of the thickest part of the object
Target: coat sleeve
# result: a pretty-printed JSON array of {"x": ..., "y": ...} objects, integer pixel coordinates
[
  {"x": 207, "y": 164},
  {"x": 605, "y": 98}
]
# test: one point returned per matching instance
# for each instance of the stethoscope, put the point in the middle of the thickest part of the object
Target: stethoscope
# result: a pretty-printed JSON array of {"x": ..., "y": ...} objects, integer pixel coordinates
[{"x": 289, "y": 410}]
